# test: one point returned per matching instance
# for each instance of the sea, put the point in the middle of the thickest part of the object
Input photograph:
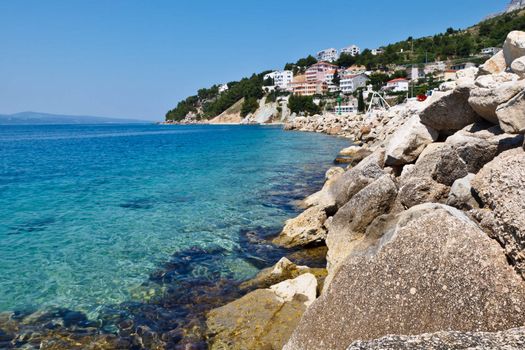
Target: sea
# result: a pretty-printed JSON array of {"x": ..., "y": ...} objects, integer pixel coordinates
[{"x": 108, "y": 222}]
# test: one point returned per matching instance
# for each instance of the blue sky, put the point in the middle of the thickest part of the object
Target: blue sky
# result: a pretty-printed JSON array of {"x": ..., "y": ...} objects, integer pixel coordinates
[{"x": 131, "y": 58}]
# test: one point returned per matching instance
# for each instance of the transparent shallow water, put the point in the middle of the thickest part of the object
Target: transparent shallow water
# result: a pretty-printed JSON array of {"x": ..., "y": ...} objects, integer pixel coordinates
[{"x": 88, "y": 213}]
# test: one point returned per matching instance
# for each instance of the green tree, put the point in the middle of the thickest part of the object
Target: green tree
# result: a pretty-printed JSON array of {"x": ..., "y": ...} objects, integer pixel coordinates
[
  {"x": 249, "y": 105},
  {"x": 336, "y": 80},
  {"x": 303, "y": 104},
  {"x": 361, "y": 102}
]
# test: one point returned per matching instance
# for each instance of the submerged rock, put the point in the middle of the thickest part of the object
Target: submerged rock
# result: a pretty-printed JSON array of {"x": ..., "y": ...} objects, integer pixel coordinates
[
  {"x": 304, "y": 229},
  {"x": 433, "y": 262},
  {"x": 264, "y": 318}
]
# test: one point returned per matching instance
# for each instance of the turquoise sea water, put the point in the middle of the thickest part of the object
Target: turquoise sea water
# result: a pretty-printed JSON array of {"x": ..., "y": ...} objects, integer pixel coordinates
[{"x": 90, "y": 214}]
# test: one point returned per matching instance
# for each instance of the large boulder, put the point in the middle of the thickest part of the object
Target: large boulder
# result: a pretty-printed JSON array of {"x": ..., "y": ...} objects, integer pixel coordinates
[
  {"x": 514, "y": 46},
  {"x": 467, "y": 151},
  {"x": 264, "y": 318},
  {"x": 407, "y": 143},
  {"x": 351, "y": 221},
  {"x": 500, "y": 186},
  {"x": 494, "y": 65},
  {"x": 512, "y": 339},
  {"x": 433, "y": 263},
  {"x": 304, "y": 229},
  {"x": 449, "y": 111},
  {"x": 355, "y": 179},
  {"x": 518, "y": 67},
  {"x": 511, "y": 115},
  {"x": 419, "y": 190},
  {"x": 486, "y": 98},
  {"x": 324, "y": 197}
]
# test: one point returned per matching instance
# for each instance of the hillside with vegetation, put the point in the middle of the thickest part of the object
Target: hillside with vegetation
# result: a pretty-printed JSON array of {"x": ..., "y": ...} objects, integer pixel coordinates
[{"x": 451, "y": 45}]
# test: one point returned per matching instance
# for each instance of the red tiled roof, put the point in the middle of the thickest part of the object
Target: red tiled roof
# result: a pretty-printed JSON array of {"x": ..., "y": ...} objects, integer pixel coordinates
[{"x": 397, "y": 80}]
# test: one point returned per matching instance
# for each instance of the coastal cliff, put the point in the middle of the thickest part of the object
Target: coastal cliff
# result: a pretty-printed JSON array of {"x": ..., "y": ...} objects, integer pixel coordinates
[{"x": 425, "y": 234}]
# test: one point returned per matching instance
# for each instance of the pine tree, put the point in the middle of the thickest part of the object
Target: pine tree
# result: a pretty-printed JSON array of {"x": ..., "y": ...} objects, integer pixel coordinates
[{"x": 361, "y": 102}]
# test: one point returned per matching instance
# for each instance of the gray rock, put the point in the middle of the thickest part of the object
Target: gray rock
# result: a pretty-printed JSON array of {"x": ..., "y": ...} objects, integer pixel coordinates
[
  {"x": 324, "y": 198},
  {"x": 449, "y": 111},
  {"x": 304, "y": 229},
  {"x": 512, "y": 339},
  {"x": 350, "y": 222},
  {"x": 460, "y": 195},
  {"x": 434, "y": 270},
  {"x": 514, "y": 46},
  {"x": 494, "y": 65},
  {"x": 357, "y": 178},
  {"x": 500, "y": 186},
  {"x": 407, "y": 143},
  {"x": 465, "y": 152},
  {"x": 511, "y": 115},
  {"x": 518, "y": 66},
  {"x": 418, "y": 190},
  {"x": 485, "y": 100}
]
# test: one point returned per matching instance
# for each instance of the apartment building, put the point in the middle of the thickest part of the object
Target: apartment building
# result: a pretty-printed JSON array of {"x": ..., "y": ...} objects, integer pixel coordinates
[
  {"x": 351, "y": 50},
  {"x": 318, "y": 71},
  {"x": 329, "y": 55},
  {"x": 397, "y": 85},
  {"x": 351, "y": 83},
  {"x": 282, "y": 79},
  {"x": 301, "y": 86}
]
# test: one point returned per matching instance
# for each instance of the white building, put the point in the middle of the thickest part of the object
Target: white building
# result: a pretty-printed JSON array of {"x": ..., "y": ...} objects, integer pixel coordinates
[
  {"x": 281, "y": 79},
  {"x": 490, "y": 50},
  {"x": 222, "y": 88},
  {"x": 415, "y": 73},
  {"x": 397, "y": 85},
  {"x": 328, "y": 55},
  {"x": 329, "y": 79},
  {"x": 351, "y": 83},
  {"x": 345, "y": 109},
  {"x": 351, "y": 50},
  {"x": 378, "y": 51}
]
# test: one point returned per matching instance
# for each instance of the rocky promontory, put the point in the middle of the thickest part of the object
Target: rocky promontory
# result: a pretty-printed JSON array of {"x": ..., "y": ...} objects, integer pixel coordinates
[{"x": 425, "y": 231}]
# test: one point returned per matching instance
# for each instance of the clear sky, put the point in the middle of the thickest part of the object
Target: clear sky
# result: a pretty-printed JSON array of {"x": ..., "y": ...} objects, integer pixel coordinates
[{"x": 137, "y": 59}]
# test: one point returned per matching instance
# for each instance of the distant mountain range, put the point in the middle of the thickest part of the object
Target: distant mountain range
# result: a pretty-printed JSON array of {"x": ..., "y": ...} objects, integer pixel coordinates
[{"x": 26, "y": 118}]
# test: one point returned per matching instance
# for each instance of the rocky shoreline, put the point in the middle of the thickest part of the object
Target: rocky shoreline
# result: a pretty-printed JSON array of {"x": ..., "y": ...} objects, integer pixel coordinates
[{"x": 425, "y": 232}]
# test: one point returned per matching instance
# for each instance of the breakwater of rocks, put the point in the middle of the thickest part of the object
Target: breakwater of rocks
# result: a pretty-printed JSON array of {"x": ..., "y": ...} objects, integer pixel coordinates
[{"x": 424, "y": 232}]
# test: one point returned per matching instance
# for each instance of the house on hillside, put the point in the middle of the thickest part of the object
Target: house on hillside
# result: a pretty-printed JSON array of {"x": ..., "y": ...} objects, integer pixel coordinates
[
  {"x": 282, "y": 79},
  {"x": 464, "y": 65},
  {"x": 490, "y": 51},
  {"x": 397, "y": 85},
  {"x": 355, "y": 69},
  {"x": 415, "y": 73},
  {"x": 352, "y": 50},
  {"x": 223, "y": 88},
  {"x": 329, "y": 55},
  {"x": 350, "y": 83},
  {"x": 317, "y": 72},
  {"x": 302, "y": 87},
  {"x": 449, "y": 74}
]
